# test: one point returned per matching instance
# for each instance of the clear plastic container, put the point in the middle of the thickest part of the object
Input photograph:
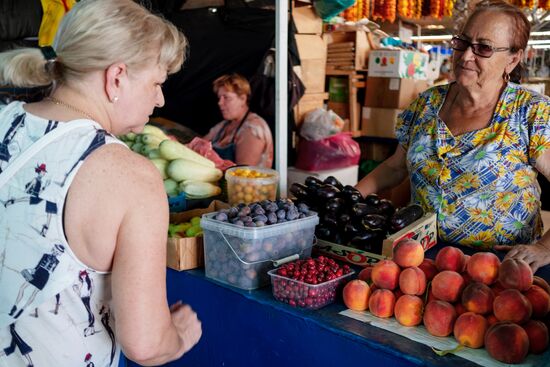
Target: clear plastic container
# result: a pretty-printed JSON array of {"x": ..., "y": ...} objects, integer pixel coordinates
[
  {"x": 242, "y": 256},
  {"x": 305, "y": 295},
  {"x": 249, "y": 184}
]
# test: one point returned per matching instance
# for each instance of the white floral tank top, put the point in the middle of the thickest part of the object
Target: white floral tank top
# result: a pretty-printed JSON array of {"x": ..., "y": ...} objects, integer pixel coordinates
[{"x": 54, "y": 310}]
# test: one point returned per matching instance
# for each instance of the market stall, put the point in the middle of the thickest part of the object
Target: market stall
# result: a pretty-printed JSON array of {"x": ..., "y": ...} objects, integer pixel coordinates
[{"x": 251, "y": 328}]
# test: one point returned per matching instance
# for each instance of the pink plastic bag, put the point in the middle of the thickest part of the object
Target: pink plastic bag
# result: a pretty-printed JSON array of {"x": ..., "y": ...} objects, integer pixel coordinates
[
  {"x": 336, "y": 151},
  {"x": 204, "y": 148}
]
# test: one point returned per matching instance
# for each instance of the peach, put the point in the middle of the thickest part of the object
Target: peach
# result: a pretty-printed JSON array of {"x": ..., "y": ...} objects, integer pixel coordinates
[
  {"x": 450, "y": 258},
  {"x": 439, "y": 318},
  {"x": 511, "y": 305},
  {"x": 478, "y": 297},
  {"x": 429, "y": 268},
  {"x": 538, "y": 336},
  {"x": 483, "y": 267},
  {"x": 356, "y": 295},
  {"x": 541, "y": 283},
  {"x": 382, "y": 302},
  {"x": 365, "y": 274},
  {"x": 408, "y": 252},
  {"x": 385, "y": 274},
  {"x": 540, "y": 300},
  {"x": 507, "y": 342},
  {"x": 431, "y": 296},
  {"x": 448, "y": 285},
  {"x": 412, "y": 281},
  {"x": 516, "y": 274},
  {"x": 408, "y": 310},
  {"x": 469, "y": 329}
]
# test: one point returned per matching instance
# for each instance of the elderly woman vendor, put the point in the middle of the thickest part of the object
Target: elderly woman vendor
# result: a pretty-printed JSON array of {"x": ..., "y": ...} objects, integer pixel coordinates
[
  {"x": 473, "y": 148},
  {"x": 243, "y": 137}
]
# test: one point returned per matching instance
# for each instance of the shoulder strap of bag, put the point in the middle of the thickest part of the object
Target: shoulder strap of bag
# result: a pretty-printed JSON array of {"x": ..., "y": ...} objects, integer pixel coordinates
[{"x": 39, "y": 145}]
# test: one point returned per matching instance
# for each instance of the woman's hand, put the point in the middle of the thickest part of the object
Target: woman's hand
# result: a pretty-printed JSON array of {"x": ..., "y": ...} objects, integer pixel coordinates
[
  {"x": 536, "y": 255},
  {"x": 187, "y": 324}
]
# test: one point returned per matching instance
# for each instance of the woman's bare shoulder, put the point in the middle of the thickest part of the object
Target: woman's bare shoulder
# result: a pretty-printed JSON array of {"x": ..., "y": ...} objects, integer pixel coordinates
[{"x": 123, "y": 171}]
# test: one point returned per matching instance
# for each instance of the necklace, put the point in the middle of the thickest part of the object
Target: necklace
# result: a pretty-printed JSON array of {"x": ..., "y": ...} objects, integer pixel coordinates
[{"x": 71, "y": 107}]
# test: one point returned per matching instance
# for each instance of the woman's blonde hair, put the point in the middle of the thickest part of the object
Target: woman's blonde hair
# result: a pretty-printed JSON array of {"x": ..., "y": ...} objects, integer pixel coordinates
[
  {"x": 235, "y": 83},
  {"x": 94, "y": 35}
]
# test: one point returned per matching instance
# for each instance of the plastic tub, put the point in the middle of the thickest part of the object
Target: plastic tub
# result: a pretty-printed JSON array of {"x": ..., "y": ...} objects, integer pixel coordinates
[
  {"x": 305, "y": 295},
  {"x": 242, "y": 256},
  {"x": 249, "y": 184}
]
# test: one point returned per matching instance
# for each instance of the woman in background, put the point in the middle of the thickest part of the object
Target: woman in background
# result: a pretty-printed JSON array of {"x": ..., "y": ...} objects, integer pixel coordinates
[{"x": 243, "y": 137}]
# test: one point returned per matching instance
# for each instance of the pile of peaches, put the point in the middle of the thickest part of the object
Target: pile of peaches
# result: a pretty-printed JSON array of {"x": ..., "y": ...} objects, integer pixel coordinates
[{"x": 480, "y": 300}]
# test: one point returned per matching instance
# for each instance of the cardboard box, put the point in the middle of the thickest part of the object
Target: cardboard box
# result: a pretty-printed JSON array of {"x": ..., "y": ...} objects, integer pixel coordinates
[
  {"x": 392, "y": 92},
  {"x": 188, "y": 253},
  {"x": 398, "y": 64},
  {"x": 423, "y": 230},
  {"x": 313, "y": 59},
  {"x": 347, "y": 50},
  {"x": 306, "y": 20},
  {"x": 379, "y": 122},
  {"x": 308, "y": 103},
  {"x": 347, "y": 175}
]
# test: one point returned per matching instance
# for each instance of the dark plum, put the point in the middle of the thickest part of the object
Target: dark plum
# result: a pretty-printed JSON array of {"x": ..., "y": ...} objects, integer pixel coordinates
[
  {"x": 271, "y": 218},
  {"x": 259, "y": 217},
  {"x": 245, "y": 210},
  {"x": 302, "y": 208},
  {"x": 222, "y": 217}
]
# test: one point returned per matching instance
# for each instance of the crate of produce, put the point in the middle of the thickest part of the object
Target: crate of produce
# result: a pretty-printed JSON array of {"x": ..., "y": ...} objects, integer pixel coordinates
[
  {"x": 423, "y": 230},
  {"x": 241, "y": 256},
  {"x": 247, "y": 184},
  {"x": 309, "y": 292},
  {"x": 359, "y": 229},
  {"x": 186, "y": 252}
]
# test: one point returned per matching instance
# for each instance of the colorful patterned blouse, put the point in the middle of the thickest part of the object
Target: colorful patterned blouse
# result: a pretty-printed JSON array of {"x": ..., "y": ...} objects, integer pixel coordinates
[{"x": 482, "y": 184}]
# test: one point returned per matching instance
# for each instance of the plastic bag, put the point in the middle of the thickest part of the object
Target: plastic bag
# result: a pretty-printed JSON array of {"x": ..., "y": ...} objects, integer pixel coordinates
[
  {"x": 336, "y": 151},
  {"x": 319, "y": 124},
  {"x": 331, "y": 8},
  {"x": 204, "y": 148}
]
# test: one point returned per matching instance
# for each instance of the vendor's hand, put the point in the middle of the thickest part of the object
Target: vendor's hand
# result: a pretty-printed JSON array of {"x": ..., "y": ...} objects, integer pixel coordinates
[
  {"x": 536, "y": 255},
  {"x": 187, "y": 324}
]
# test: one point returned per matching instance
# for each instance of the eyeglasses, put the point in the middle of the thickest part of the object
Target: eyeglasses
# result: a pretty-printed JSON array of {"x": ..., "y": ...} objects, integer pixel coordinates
[{"x": 479, "y": 49}]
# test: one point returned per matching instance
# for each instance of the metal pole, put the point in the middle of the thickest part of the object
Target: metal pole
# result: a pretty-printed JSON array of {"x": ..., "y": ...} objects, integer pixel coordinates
[{"x": 281, "y": 94}]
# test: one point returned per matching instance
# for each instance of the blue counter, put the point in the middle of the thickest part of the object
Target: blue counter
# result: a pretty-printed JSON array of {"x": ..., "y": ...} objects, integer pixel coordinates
[{"x": 242, "y": 329}]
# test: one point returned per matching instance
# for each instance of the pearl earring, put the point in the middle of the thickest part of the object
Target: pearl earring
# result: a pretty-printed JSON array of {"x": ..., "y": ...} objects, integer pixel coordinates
[{"x": 114, "y": 99}]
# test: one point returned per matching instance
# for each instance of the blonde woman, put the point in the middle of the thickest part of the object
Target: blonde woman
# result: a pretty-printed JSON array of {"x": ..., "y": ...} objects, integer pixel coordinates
[{"x": 104, "y": 204}]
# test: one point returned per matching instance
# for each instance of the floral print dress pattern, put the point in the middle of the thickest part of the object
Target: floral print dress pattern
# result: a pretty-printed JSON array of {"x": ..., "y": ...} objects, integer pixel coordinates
[
  {"x": 54, "y": 310},
  {"x": 482, "y": 184}
]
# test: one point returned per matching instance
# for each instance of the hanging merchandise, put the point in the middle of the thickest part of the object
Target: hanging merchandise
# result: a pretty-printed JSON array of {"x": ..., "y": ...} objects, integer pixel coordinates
[
  {"x": 408, "y": 8},
  {"x": 385, "y": 10},
  {"x": 360, "y": 10}
]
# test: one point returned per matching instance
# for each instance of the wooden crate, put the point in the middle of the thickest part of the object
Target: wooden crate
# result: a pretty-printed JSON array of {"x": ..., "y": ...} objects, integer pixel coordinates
[{"x": 188, "y": 253}]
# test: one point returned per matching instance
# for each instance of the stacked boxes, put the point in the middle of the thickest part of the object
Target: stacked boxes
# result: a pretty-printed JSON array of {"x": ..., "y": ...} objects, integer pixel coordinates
[
  {"x": 313, "y": 58},
  {"x": 396, "y": 78}
]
